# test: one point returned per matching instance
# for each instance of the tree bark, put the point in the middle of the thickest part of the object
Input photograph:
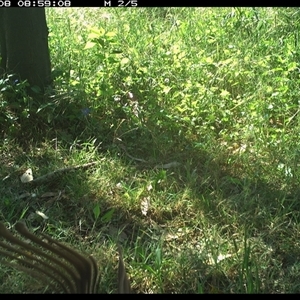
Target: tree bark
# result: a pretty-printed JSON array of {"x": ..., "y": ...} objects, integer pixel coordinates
[{"x": 24, "y": 45}]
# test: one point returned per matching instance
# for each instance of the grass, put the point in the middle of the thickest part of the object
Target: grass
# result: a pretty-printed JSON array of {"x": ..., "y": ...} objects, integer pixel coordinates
[{"x": 192, "y": 117}]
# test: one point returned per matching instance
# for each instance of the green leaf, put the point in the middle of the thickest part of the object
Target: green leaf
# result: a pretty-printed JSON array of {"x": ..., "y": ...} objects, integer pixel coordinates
[
  {"x": 107, "y": 217},
  {"x": 124, "y": 61},
  {"x": 96, "y": 211},
  {"x": 166, "y": 89},
  {"x": 95, "y": 32},
  {"x": 44, "y": 106},
  {"x": 89, "y": 45},
  {"x": 224, "y": 93},
  {"x": 111, "y": 33}
]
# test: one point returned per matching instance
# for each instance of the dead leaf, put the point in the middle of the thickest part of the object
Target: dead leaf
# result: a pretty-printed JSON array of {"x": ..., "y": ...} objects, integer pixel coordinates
[
  {"x": 149, "y": 187},
  {"x": 145, "y": 205},
  {"x": 170, "y": 165},
  {"x": 42, "y": 215},
  {"x": 24, "y": 195},
  {"x": 220, "y": 257},
  {"x": 180, "y": 233}
]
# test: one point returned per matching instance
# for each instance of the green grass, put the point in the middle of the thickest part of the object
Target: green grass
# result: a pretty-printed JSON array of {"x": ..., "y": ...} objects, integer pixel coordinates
[{"x": 193, "y": 111}]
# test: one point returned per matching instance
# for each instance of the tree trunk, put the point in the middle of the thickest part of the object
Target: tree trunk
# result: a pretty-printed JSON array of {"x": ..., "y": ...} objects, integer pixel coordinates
[{"x": 24, "y": 45}]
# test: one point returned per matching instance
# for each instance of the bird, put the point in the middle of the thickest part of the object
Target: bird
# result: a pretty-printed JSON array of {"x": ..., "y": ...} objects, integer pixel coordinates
[{"x": 54, "y": 264}]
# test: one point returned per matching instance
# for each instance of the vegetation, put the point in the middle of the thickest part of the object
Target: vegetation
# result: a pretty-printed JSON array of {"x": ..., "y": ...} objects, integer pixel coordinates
[{"x": 192, "y": 118}]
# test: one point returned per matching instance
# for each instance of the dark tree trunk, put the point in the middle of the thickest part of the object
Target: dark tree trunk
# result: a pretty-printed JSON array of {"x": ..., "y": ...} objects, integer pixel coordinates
[{"x": 24, "y": 45}]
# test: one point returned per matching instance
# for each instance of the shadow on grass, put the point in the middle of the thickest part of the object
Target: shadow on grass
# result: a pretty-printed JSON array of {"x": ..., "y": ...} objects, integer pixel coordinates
[{"x": 221, "y": 194}]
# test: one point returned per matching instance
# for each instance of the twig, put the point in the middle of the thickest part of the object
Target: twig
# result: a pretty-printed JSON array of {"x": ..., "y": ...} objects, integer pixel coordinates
[{"x": 60, "y": 171}]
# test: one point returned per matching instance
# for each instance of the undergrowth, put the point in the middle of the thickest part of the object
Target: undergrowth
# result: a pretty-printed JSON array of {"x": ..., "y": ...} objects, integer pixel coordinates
[{"x": 191, "y": 115}]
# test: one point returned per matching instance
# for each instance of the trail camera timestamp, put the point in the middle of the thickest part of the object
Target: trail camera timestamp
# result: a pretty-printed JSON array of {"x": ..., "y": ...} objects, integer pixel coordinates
[
  {"x": 5, "y": 3},
  {"x": 43, "y": 3},
  {"x": 35, "y": 3}
]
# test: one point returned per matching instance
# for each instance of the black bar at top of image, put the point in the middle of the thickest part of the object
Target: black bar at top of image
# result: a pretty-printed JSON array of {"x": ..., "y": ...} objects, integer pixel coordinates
[
  {"x": 92, "y": 3},
  {"x": 121, "y": 3}
]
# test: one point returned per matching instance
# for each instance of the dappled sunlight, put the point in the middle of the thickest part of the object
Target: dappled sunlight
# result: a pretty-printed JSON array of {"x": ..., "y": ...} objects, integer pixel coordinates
[{"x": 172, "y": 132}]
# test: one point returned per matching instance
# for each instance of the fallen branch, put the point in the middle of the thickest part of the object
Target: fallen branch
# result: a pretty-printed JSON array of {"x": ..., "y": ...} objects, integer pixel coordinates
[{"x": 50, "y": 175}]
